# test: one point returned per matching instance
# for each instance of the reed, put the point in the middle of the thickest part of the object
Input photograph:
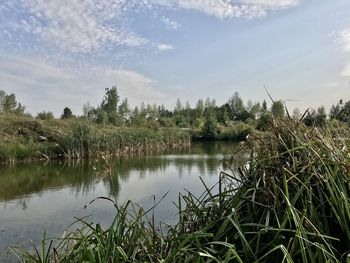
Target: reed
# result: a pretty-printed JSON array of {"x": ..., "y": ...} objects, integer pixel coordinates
[{"x": 23, "y": 138}]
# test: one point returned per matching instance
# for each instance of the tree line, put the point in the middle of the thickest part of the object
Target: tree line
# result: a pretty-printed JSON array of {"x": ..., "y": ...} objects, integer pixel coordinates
[{"x": 206, "y": 115}]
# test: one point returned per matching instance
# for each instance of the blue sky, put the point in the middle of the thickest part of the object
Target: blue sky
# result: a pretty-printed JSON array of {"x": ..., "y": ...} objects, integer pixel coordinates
[{"x": 57, "y": 53}]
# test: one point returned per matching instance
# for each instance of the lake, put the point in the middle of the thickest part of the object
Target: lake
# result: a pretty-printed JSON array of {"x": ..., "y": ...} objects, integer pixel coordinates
[{"x": 39, "y": 196}]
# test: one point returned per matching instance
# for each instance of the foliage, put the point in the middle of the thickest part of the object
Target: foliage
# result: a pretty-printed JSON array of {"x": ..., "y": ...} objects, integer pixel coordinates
[
  {"x": 9, "y": 104},
  {"x": 341, "y": 111},
  {"x": 264, "y": 122},
  {"x": 209, "y": 129},
  {"x": 277, "y": 109},
  {"x": 45, "y": 115},
  {"x": 238, "y": 131},
  {"x": 67, "y": 113},
  {"x": 316, "y": 118}
]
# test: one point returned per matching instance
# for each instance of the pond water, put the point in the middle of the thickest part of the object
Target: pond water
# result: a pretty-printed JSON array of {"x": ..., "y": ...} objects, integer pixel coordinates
[{"x": 35, "y": 197}]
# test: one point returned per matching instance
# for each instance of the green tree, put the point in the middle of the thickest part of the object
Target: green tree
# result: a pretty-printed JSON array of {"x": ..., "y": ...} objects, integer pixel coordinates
[
  {"x": 199, "y": 108},
  {"x": 334, "y": 112},
  {"x": 136, "y": 117},
  {"x": 110, "y": 105},
  {"x": 255, "y": 110},
  {"x": 178, "y": 106},
  {"x": 277, "y": 109},
  {"x": 110, "y": 101},
  {"x": 223, "y": 113},
  {"x": 8, "y": 103},
  {"x": 316, "y": 118},
  {"x": 344, "y": 114},
  {"x": 296, "y": 114},
  {"x": 237, "y": 106},
  {"x": 67, "y": 113},
  {"x": 88, "y": 111},
  {"x": 264, "y": 122},
  {"x": 124, "y": 111},
  {"x": 100, "y": 116},
  {"x": 45, "y": 115},
  {"x": 341, "y": 111},
  {"x": 209, "y": 129}
]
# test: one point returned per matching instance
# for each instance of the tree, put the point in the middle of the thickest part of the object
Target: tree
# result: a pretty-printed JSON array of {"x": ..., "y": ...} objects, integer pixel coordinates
[
  {"x": 2, "y": 98},
  {"x": 88, "y": 111},
  {"x": 124, "y": 110},
  {"x": 110, "y": 101},
  {"x": 341, "y": 111},
  {"x": 20, "y": 109},
  {"x": 321, "y": 116},
  {"x": 138, "y": 116},
  {"x": 45, "y": 115},
  {"x": 345, "y": 112},
  {"x": 256, "y": 110},
  {"x": 296, "y": 114},
  {"x": 209, "y": 129},
  {"x": 199, "y": 108},
  {"x": 178, "y": 106},
  {"x": 334, "y": 112},
  {"x": 316, "y": 118},
  {"x": 264, "y": 122},
  {"x": 8, "y": 103},
  {"x": 67, "y": 113},
  {"x": 264, "y": 107},
  {"x": 277, "y": 109},
  {"x": 223, "y": 113},
  {"x": 236, "y": 105},
  {"x": 110, "y": 105}
]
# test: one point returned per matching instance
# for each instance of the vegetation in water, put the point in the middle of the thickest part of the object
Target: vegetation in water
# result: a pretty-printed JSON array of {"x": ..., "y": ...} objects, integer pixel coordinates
[{"x": 289, "y": 203}]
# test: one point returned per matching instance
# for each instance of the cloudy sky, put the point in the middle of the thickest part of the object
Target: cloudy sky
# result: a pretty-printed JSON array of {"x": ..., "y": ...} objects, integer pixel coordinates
[{"x": 57, "y": 53}]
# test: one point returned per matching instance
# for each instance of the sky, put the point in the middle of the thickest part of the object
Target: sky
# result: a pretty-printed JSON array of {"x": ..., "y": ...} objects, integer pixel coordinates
[{"x": 58, "y": 53}]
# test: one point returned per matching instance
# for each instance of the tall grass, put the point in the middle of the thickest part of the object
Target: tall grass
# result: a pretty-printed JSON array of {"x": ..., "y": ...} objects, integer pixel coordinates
[
  {"x": 24, "y": 138},
  {"x": 86, "y": 139},
  {"x": 289, "y": 203}
]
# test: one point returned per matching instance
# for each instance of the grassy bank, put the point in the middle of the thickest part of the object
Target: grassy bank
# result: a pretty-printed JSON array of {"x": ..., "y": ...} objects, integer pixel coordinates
[
  {"x": 25, "y": 138},
  {"x": 290, "y": 203}
]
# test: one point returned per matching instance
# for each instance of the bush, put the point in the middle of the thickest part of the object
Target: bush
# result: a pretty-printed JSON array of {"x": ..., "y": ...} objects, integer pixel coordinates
[
  {"x": 209, "y": 129},
  {"x": 45, "y": 115},
  {"x": 237, "y": 132}
]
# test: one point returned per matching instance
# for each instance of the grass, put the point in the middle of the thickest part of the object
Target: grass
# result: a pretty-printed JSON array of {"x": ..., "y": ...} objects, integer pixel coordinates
[
  {"x": 24, "y": 138},
  {"x": 289, "y": 203}
]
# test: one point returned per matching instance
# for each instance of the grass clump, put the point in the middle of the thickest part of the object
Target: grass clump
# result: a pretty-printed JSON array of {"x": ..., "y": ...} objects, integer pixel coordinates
[{"x": 289, "y": 203}]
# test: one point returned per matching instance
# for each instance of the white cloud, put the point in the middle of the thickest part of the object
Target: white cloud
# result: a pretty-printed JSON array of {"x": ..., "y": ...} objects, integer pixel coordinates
[
  {"x": 344, "y": 41},
  {"x": 164, "y": 47},
  {"x": 80, "y": 26},
  {"x": 41, "y": 86},
  {"x": 88, "y": 25},
  {"x": 171, "y": 24},
  {"x": 230, "y": 8},
  {"x": 131, "y": 84}
]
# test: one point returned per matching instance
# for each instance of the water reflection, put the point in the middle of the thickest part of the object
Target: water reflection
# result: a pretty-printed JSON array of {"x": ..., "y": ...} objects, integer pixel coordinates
[{"x": 34, "y": 197}]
